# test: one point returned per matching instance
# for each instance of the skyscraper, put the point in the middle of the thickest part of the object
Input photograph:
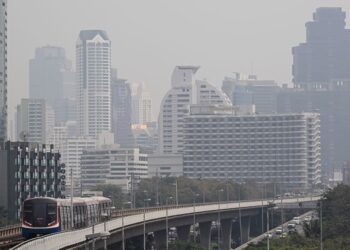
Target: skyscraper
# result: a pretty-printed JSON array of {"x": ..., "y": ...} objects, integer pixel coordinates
[
  {"x": 31, "y": 120},
  {"x": 245, "y": 91},
  {"x": 48, "y": 71},
  {"x": 121, "y": 111},
  {"x": 325, "y": 55},
  {"x": 3, "y": 71},
  {"x": 141, "y": 104},
  {"x": 93, "y": 59}
]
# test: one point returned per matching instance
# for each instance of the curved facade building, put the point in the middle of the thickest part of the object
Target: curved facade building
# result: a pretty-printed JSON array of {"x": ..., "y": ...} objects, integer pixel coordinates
[{"x": 185, "y": 90}]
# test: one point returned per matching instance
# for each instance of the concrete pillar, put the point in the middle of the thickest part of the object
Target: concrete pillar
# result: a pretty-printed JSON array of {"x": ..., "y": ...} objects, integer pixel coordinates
[
  {"x": 204, "y": 231},
  {"x": 245, "y": 228},
  {"x": 235, "y": 232},
  {"x": 226, "y": 229},
  {"x": 160, "y": 238},
  {"x": 183, "y": 232}
]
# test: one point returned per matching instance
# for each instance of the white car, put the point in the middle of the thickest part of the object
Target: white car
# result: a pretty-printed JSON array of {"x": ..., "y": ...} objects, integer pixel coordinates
[
  {"x": 307, "y": 218},
  {"x": 268, "y": 235},
  {"x": 279, "y": 230},
  {"x": 296, "y": 220}
]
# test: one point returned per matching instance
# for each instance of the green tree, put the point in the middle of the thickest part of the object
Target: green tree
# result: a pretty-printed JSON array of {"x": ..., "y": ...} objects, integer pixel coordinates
[
  {"x": 113, "y": 192},
  {"x": 183, "y": 245}
]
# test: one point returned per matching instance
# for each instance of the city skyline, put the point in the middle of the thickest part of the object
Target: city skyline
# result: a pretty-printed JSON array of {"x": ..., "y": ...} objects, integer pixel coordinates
[{"x": 134, "y": 42}]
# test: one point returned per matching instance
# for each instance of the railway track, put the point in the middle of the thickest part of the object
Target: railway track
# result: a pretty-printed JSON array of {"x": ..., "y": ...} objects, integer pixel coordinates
[{"x": 10, "y": 236}]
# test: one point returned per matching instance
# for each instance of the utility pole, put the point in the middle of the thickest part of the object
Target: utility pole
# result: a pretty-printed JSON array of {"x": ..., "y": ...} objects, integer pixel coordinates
[
  {"x": 157, "y": 189},
  {"x": 321, "y": 228},
  {"x": 71, "y": 198}
]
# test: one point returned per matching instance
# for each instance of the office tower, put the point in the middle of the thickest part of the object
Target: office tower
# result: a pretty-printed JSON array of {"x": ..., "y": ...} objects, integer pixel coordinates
[
  {"x": 184, "y": 91},
  {"x": 141, "y": 104},
  {"x": 50, "y": 121},
  {"x": 325, "y": 55},
  {"x": 31, "y": 120},
  {"x": 72, "y": 150},
  {"x": 245, "y": 91},
  {"x": 112, "y": 165},
  {"x": 93, "y": 59},
  {"x": 3, "y": 71},
  {"x": 28, "y": 170},
  {"x": 268, "y": 148},
  {"x": 121, "y": 112},
  {"x": 332, "y": 101},
  {"x": 49, "y": 71}
]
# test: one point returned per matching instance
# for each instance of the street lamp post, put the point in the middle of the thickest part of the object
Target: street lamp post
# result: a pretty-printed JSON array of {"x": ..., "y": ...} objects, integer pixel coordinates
[
  {"x": 219, "y": 219},
  {"x": 321, "y": 228},
  {"x": 239, "y": 212},
  {"x": 166, "y": 222},
  {"x": 123, "y": 232},
  {"x": 194, "y": 217},
  {"x": 176, "y": 193},
  {"x": 144, "y": 222}
]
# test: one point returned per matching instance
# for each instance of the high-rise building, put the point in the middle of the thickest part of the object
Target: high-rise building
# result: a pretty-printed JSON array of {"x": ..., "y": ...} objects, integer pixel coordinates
[
  {"x": 112, "y": 165},
  {"x": 325, "y": 55},
  {"x": 246, "y": 91},
  {"x": 93, "y": 59},
  {"x": 48, "y": 72},
  {"x": 121, "y": 112},
  {"x": 185, "y": 90},
  {"x": 3, "y": 71},
  {"x": 28, "y": 170},
  {"x": 141, "y": 104},
  {"x": 73, "y": 148},
  {"x": 31, "y": 120},
  {"x": 268, "y": 148},
  {"x": 332, "y": 102}
]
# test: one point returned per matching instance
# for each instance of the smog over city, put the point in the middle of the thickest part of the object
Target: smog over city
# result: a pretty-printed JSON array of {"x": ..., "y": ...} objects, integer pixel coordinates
[{"x": 188, "y": 124}]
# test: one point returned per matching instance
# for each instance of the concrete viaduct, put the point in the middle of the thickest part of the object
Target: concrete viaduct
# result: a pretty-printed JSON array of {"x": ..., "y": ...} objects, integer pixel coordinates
[{"x": 182, "y": 217}]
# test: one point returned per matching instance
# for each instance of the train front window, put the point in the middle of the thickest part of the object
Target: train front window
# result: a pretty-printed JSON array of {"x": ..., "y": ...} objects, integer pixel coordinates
[
  {"x": 51, "y": 213},
  {"x": 28, "y": 213}
]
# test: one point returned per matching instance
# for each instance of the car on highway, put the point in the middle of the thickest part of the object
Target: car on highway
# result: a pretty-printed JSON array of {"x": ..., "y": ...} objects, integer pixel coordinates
[
  {"x": 279, "y": 230},
  {"x": 268, "y": 235},
  {"x": 296, "y": 220},
  {"x": 307, "y": 218},
  {"x": 291, "y": 225}
]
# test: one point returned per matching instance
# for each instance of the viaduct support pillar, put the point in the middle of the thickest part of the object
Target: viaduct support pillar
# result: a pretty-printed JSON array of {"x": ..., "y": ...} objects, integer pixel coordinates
[
  {"x": 183, "y": 232},
  {"x": 160, "y": 238},
  {"x": 235, "y": 232},
  {"x": 205, "y": 230},
  {"x": 245, "y": 228},
  {"x": 226, "y": 226}
]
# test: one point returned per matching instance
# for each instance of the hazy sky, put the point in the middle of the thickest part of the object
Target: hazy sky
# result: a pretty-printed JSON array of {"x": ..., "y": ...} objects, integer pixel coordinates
[{"x": 150, "y": 37}]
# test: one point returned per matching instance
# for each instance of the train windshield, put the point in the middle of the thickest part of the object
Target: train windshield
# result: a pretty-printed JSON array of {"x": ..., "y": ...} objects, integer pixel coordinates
[{"x": 39, "y": 213}]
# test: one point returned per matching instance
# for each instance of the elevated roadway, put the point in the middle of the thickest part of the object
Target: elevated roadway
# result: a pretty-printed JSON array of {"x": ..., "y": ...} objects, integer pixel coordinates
[{"x": 155, "y": 220}]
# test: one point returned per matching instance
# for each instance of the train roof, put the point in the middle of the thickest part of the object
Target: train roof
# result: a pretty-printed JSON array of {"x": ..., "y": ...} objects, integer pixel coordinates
[{"x": 76, "y": 200}]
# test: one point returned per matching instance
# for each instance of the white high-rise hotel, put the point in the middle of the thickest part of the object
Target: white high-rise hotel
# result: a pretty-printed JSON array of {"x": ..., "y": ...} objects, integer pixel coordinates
[{"x": 93, "y": 59}]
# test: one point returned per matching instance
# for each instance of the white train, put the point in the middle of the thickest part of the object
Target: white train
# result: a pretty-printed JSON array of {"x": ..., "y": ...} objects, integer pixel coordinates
[{"x": 48, "y": 215}]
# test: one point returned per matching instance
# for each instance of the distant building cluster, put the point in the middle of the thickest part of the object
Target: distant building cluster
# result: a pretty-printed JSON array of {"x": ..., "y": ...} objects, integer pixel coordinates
[{"x": 85, "y": 126}]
